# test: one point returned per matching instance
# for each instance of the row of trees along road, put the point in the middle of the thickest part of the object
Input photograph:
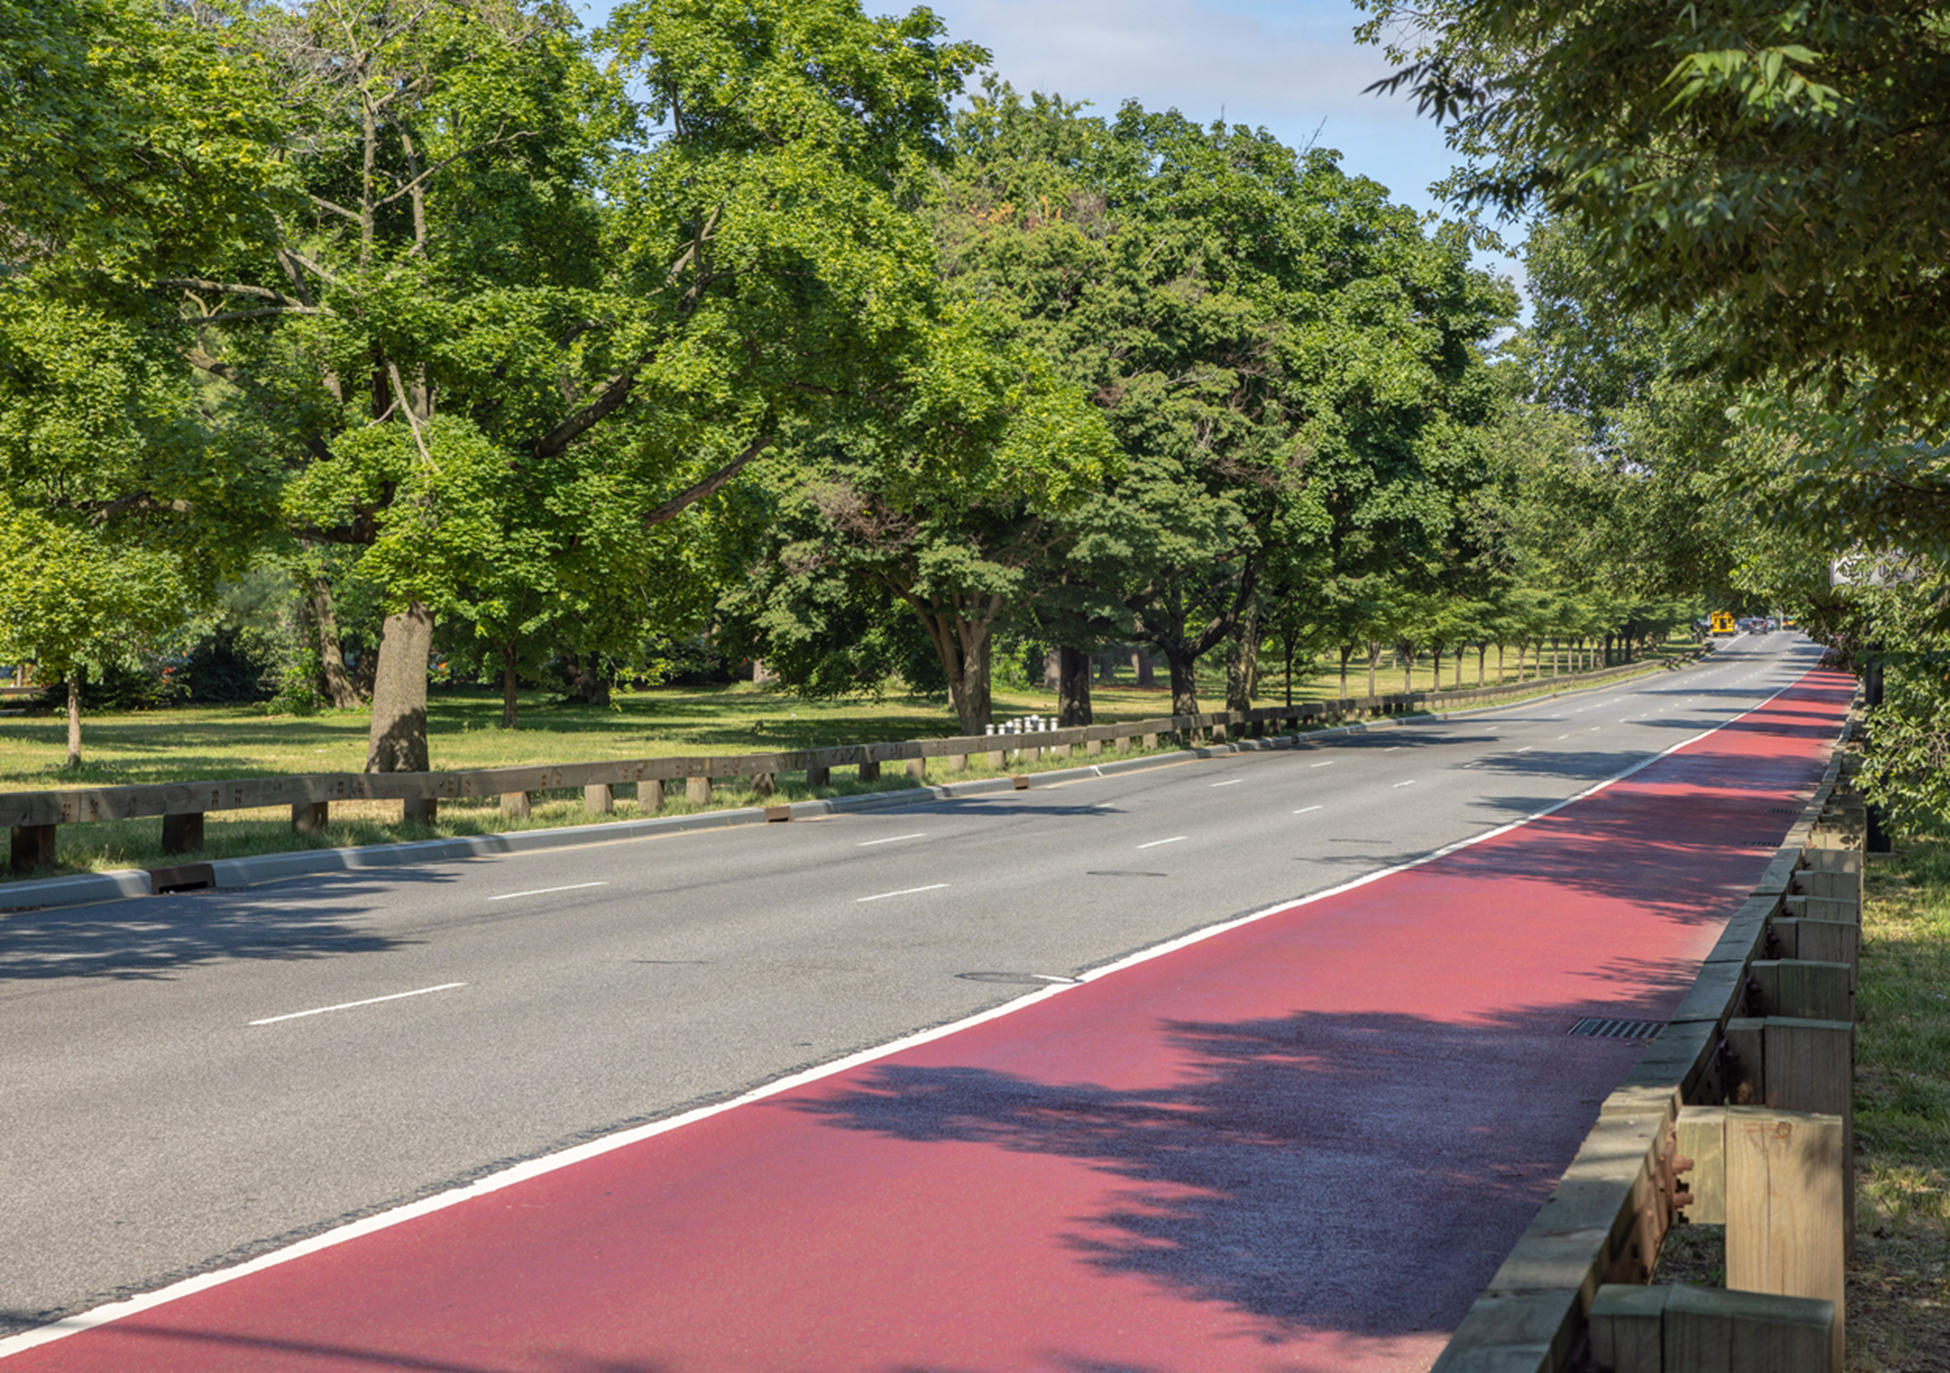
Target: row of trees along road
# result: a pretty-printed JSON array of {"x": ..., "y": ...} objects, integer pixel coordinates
[
  {"x": 1761, "y": 191},
  {"x": 424, "y": 305}
]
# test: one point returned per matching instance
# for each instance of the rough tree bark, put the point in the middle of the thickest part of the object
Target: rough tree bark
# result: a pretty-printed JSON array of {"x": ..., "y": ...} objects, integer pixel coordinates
[
  {"x": 510, "y": 702},
  {"x": 1242, "y": 659},
  {"x": 331, "y": 649},
  {"x": 1141, "y": 667},
  {"x": 1347, "y": 652},
  {"x": 398, "y": 742},
  {"x": 1072, "y": 688},
  {"x": 74, "y": 715}
]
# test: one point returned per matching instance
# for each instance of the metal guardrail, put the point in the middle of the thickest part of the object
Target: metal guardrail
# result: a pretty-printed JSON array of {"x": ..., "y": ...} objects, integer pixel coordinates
[{"x": 33, "y": 815}]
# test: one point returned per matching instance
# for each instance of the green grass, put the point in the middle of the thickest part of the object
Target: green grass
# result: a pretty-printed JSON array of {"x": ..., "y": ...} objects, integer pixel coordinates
[
  {"x": 1899, "y": 1283},
  {"x": 197, "y": 743}
]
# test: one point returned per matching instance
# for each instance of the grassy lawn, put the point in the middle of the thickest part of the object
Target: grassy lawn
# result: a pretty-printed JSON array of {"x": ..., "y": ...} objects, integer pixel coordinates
[
  {"x": 1899, "y": 1284},
  {"x": 195, "y": 743}
]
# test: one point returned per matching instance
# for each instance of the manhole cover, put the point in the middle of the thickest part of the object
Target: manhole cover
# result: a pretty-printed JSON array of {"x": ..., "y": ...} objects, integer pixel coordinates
[
  {"x": 1017, "y": 979},
  {"x": 1600, "y": 1027}
]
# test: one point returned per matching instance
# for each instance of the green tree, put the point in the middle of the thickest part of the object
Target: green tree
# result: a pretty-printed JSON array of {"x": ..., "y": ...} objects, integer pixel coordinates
[{"x": 1777, "y": 170}]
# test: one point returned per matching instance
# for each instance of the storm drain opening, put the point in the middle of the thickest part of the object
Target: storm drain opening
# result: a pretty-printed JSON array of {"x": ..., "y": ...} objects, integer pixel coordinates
[
  {"x": 1018, "y": 979},
  {"x": 1603, "y": 1027}
]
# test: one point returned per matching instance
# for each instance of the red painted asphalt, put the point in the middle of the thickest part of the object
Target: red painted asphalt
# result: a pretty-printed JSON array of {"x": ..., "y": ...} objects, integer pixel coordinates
[{"x": 1303, "y": 1143}]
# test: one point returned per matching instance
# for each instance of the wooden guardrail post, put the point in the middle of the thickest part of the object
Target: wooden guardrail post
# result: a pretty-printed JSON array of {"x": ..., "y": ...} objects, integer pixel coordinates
[
  {"x": 599, "y": 798},
  {"x": 33, "y": 847},
  {"x": 182, "y": 833},
  {"x": 650, "y": 795},
  {"x": 419, "y": 810},
  {"x": 819, "y": 777},
  {"x": 1704, "y": 1330},
  {"x": 869, "y": 766},
  {"x": 697, "y": 790},
  {"x": 310, "y": 817},
  {"x": 517, "y": 805},
  {"x": 765, "y": 783},
  {"x": 917, "y": 768}
]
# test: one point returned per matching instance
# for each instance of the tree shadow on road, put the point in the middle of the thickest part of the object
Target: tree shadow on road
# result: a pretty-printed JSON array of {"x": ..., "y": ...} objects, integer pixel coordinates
[
  {"x": 1354, "y": 1173},
  {"x": 155, "y": 937}
]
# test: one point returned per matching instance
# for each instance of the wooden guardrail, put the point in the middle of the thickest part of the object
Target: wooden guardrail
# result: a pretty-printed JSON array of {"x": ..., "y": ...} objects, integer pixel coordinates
[
  {"x": 1738, "y": 1114},
  {"x": 34, "y": 816}
]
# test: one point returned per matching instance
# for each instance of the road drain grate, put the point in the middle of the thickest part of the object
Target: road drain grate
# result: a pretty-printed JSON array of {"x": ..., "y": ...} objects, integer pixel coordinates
[
  {"x": 1018, "y": 979},
  {"x": 1601, "y": 1027}
]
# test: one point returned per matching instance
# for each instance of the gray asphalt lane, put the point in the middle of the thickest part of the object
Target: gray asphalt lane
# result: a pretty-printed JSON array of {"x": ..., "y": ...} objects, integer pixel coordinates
[{"x": 148, "y": 1130}]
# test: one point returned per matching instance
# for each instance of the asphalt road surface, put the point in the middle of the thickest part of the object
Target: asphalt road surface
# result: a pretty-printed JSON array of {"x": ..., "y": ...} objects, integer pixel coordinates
[{"x": 189, "y": 1080}]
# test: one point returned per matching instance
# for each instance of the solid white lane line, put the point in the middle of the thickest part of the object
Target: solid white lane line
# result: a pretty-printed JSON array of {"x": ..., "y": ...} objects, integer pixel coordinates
[
  {"x": 904, "y": 891},
  {"x": 1409, "y": 783},
  {"x": 1304, "y": 809},
  {"x": 348, "y": 1005},
  {"x": 1526, "y": 748},
  {"x": 544, "y": 891},
  {"x": 1155, "y": 842},
  {"x": 549, "y": 1163},
  {"x": 892, "y": 839},
  {"x": 1233, "y": 783},
  {"x": 1328, "y": 763}
]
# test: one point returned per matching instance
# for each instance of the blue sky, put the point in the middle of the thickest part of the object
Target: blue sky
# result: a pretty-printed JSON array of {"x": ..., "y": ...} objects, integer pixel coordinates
[{"x": 1291, "y": 66}]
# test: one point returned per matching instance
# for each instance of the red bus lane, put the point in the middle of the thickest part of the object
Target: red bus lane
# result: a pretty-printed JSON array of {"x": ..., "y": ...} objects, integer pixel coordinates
[{"x": 1302, "y": 1143}]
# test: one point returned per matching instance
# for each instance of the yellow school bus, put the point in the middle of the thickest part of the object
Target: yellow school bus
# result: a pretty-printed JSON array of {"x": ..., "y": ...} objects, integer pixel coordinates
[{"x": 1723, "y": 623}]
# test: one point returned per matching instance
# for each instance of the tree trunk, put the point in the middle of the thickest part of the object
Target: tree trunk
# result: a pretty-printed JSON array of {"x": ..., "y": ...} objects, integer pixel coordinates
[
  {"x": 1406, "y": 652},
  {"x": 1053, "y": 669},
  {"x": 74, "y": 715},
  {"x": 1184, "y": 682},
  {"x": 1141, "y": 666},
  {"x": 971, "y": 695},
  {"x": 1072, "y": 688},
  {"x": 586, "y": 682},
  {"x": 1289, "y": 674},
  {"x": 509, "y": 702},
  {"x": 1242, "y": 659},
  {"x": 398, "y": 742},
  {"x": 331, "y": 650},
  {"x": 1347, "y": 651},
  {"x": 1374, "y": 653}
]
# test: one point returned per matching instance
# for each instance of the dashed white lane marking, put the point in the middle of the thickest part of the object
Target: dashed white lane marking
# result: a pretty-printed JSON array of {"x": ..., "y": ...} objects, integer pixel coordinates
[
  {"x": 890, "y": 839},
  {"x": 1155, "y": 842},
  {"x": 1328, "y": 763},
  {"x": 549, "y": 1163},
  {"x": 544, "y": 891},
  {"x": 904, "y": 891},
  {"x": 1564, "y": 736},
  {"x": 1409, "y": 783},
  {"x": 1594, "y": 729},
  {"x": 369, "y": 1001},
  {"x": 1304, "y": 809},
  {"x": 1233, "y": 783},
  {"x": 1526, "y": 748}
]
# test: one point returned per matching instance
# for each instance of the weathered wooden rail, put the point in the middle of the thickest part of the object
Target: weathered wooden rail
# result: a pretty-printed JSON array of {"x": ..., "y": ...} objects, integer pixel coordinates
[
  {"x": 34, "y": 816},
  {"x": 1738, "y": 1114}
]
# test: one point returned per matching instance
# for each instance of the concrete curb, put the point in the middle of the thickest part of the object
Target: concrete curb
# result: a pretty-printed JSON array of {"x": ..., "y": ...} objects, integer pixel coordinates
[
  {"x": 79, "y": 890},
  {"x": 86, "y": 888}
]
